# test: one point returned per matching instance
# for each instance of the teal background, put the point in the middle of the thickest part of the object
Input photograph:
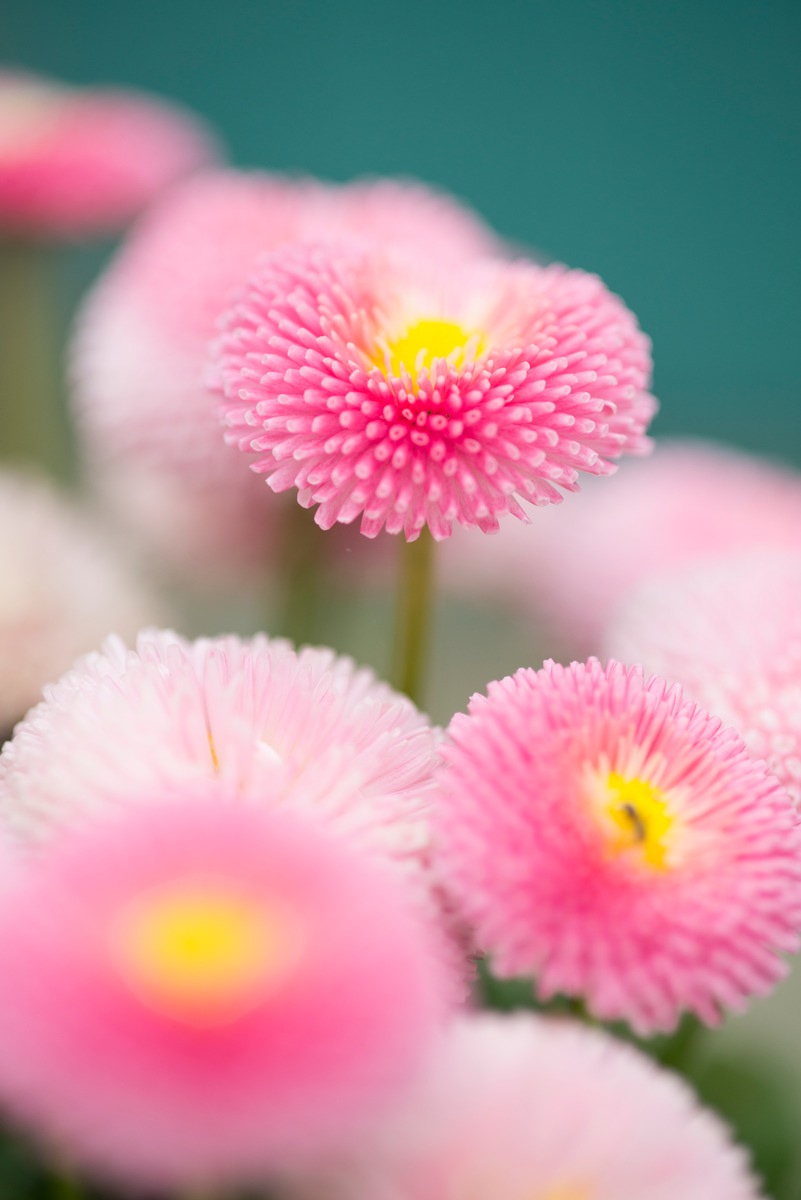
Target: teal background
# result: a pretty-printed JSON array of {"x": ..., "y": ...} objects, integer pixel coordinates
[{"x": 656, "y": 143}]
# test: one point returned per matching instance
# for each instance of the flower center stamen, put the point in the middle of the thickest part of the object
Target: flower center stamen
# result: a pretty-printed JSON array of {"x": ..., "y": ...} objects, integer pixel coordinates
[
  {"x": 424, "y": 343},
  {"x": 200, "y": 951},
  {"x": 638, "y": 819}
]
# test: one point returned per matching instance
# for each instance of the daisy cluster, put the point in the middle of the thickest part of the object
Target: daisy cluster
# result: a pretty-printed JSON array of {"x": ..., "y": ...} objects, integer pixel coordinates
[{"x": 254, "y": 904}]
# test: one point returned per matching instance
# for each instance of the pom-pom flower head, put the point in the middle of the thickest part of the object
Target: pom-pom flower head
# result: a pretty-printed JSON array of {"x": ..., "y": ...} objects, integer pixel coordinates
[
  {"x": 273, "y": 724},
  {"x": 534, "y": 1109},
  {"x": 147, "y": 422},
  {"x": 302, "y": 730},
  {"x": 78, "y": 162},
  {"x": 610, "y": 838},
  {"x": 200, "y": 991},
  {"x": 417, "y": 394}
]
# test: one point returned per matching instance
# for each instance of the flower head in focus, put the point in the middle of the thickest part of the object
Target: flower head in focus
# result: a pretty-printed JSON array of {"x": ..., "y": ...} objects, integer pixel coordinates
[
  {"x": 413, "y": 392},
  {"x": 561, "y": 1112},
  {"x": 608, "y": 837},
  {"x": 64, "y": 586},
  {"x": 147, "y": 424},
  {"x": 201, "y": 991},
  {"x": 77, "y": 163},
  {"x": 729, "y": 632}
]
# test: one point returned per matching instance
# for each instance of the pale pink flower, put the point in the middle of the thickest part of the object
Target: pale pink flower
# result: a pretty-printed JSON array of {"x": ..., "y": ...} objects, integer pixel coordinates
[
  {"x": 730, "y": 633},
  {"x": 82, "y": 162},
  {"x": 418, "y": 392},
  {"x": 64, "y": 586},
  {"x": 267, "y": 724},
  {"x": 199, "y": 991},
  {"x": 691, "y": 501},
  {"x": 147, "y": 422},
  {"x": 530, "y": 1108},
  {"x": 610, "y": 838},
  {"x": 305, "y": 726}
]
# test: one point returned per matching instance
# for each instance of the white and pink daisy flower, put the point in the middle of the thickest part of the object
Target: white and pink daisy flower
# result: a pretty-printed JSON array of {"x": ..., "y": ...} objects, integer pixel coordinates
[
  {"x": 729, "y": 632},
  {"x": 82, "y": 162},
  {"x": 413, "y": 392},
  {"x": 197, "y": 992},
  {"x": 270, "y": 723},
  {"x": 529, "y": 1108},
  {"x": 611, "y": 839},
  {"x": 253, "y": 720},
  {"x": 147, "y": 422}
]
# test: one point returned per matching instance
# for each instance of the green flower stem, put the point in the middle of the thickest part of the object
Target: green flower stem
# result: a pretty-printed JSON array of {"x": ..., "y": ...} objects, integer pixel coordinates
[
  {"x": 679, "y": 1049},
  {"x": 300, "y": 555},
  {"x": 65, "y": 1186},
  {"x": 31, "y": 424},
  {"x": 413, "y": 616}
]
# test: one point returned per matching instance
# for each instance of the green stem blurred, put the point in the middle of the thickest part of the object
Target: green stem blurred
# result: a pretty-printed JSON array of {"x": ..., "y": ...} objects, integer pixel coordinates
[
  {"x": 413, "y": 616},
  {"x": 66, "y": 1187},
  {"x": 680, "y": 1048},
  {"x": 31, "y": 424},
  {"x": 300, "y": 556}
]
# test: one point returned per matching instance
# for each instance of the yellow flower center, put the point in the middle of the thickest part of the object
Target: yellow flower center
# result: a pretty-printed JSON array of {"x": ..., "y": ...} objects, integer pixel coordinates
[
  {"x": 637, "y": 818},
  {"x": 426, "y": 341},
  {"x": 200, "y": 951}
]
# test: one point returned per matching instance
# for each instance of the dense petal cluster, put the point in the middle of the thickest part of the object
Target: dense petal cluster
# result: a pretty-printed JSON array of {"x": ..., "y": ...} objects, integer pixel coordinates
[
  {"x": 527, "y": 1107},
  {"x": 64, "y": 586},
  {"x": 250, "y": 720},
  {"x": 608, "y": 837},
  {"x": 690, "y": 502},
  {"x": 196, "y": 991},
  {"x": 79, "y": 163},
  {"x": 253, "y": 715},
  {"x": 416, "y": 393},
  {"x": 730, "y": 633},
  {"x": 147, "y": 423}
]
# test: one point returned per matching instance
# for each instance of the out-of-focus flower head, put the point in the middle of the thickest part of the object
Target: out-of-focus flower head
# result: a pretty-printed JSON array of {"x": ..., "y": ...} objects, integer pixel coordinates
[
  {"x": 64, "y": 586},
  {"x": 412, "y": 392},
  {"x": 83, "y": 162},
  {"x": 538, "y": 1109},
  {"x": 610, "y": 838},
  {"x": 730, "y": 633},
  {"x": 147, "y": 422},
  {"x": 303, "y": 730},
  {"x": 200, "y": 991},
  {"x": 691, "y": 501}
]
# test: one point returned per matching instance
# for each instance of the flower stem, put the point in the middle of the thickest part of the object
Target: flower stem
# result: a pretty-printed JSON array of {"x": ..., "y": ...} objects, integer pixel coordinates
[
  {"x": 31, "y": 424},
  {"x": 413, "y": 615},
  {"x": 300, "y": 557},
  {"x": 65, "y": 1186}
]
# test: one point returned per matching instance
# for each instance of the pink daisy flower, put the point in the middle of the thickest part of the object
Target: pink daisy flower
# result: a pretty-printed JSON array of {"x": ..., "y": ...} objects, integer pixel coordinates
[
  {"x": 691, "y": 501},
  {"x": 147, "y": 422},
  {"x": 305, "y": 730},
  {"x": 416, "y": 393},
  {"x": 79, "y": 163},
  {"x": 255, "y": 713},
  {"x": 64, "y": 586},
  {"x": 547, "y": 1110},
  {"x": 201, "y": 991},
  {"x": 730, "y": 633},
  {"x": 610, "y": 838},
  {"x": 273, "y": 725}
]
